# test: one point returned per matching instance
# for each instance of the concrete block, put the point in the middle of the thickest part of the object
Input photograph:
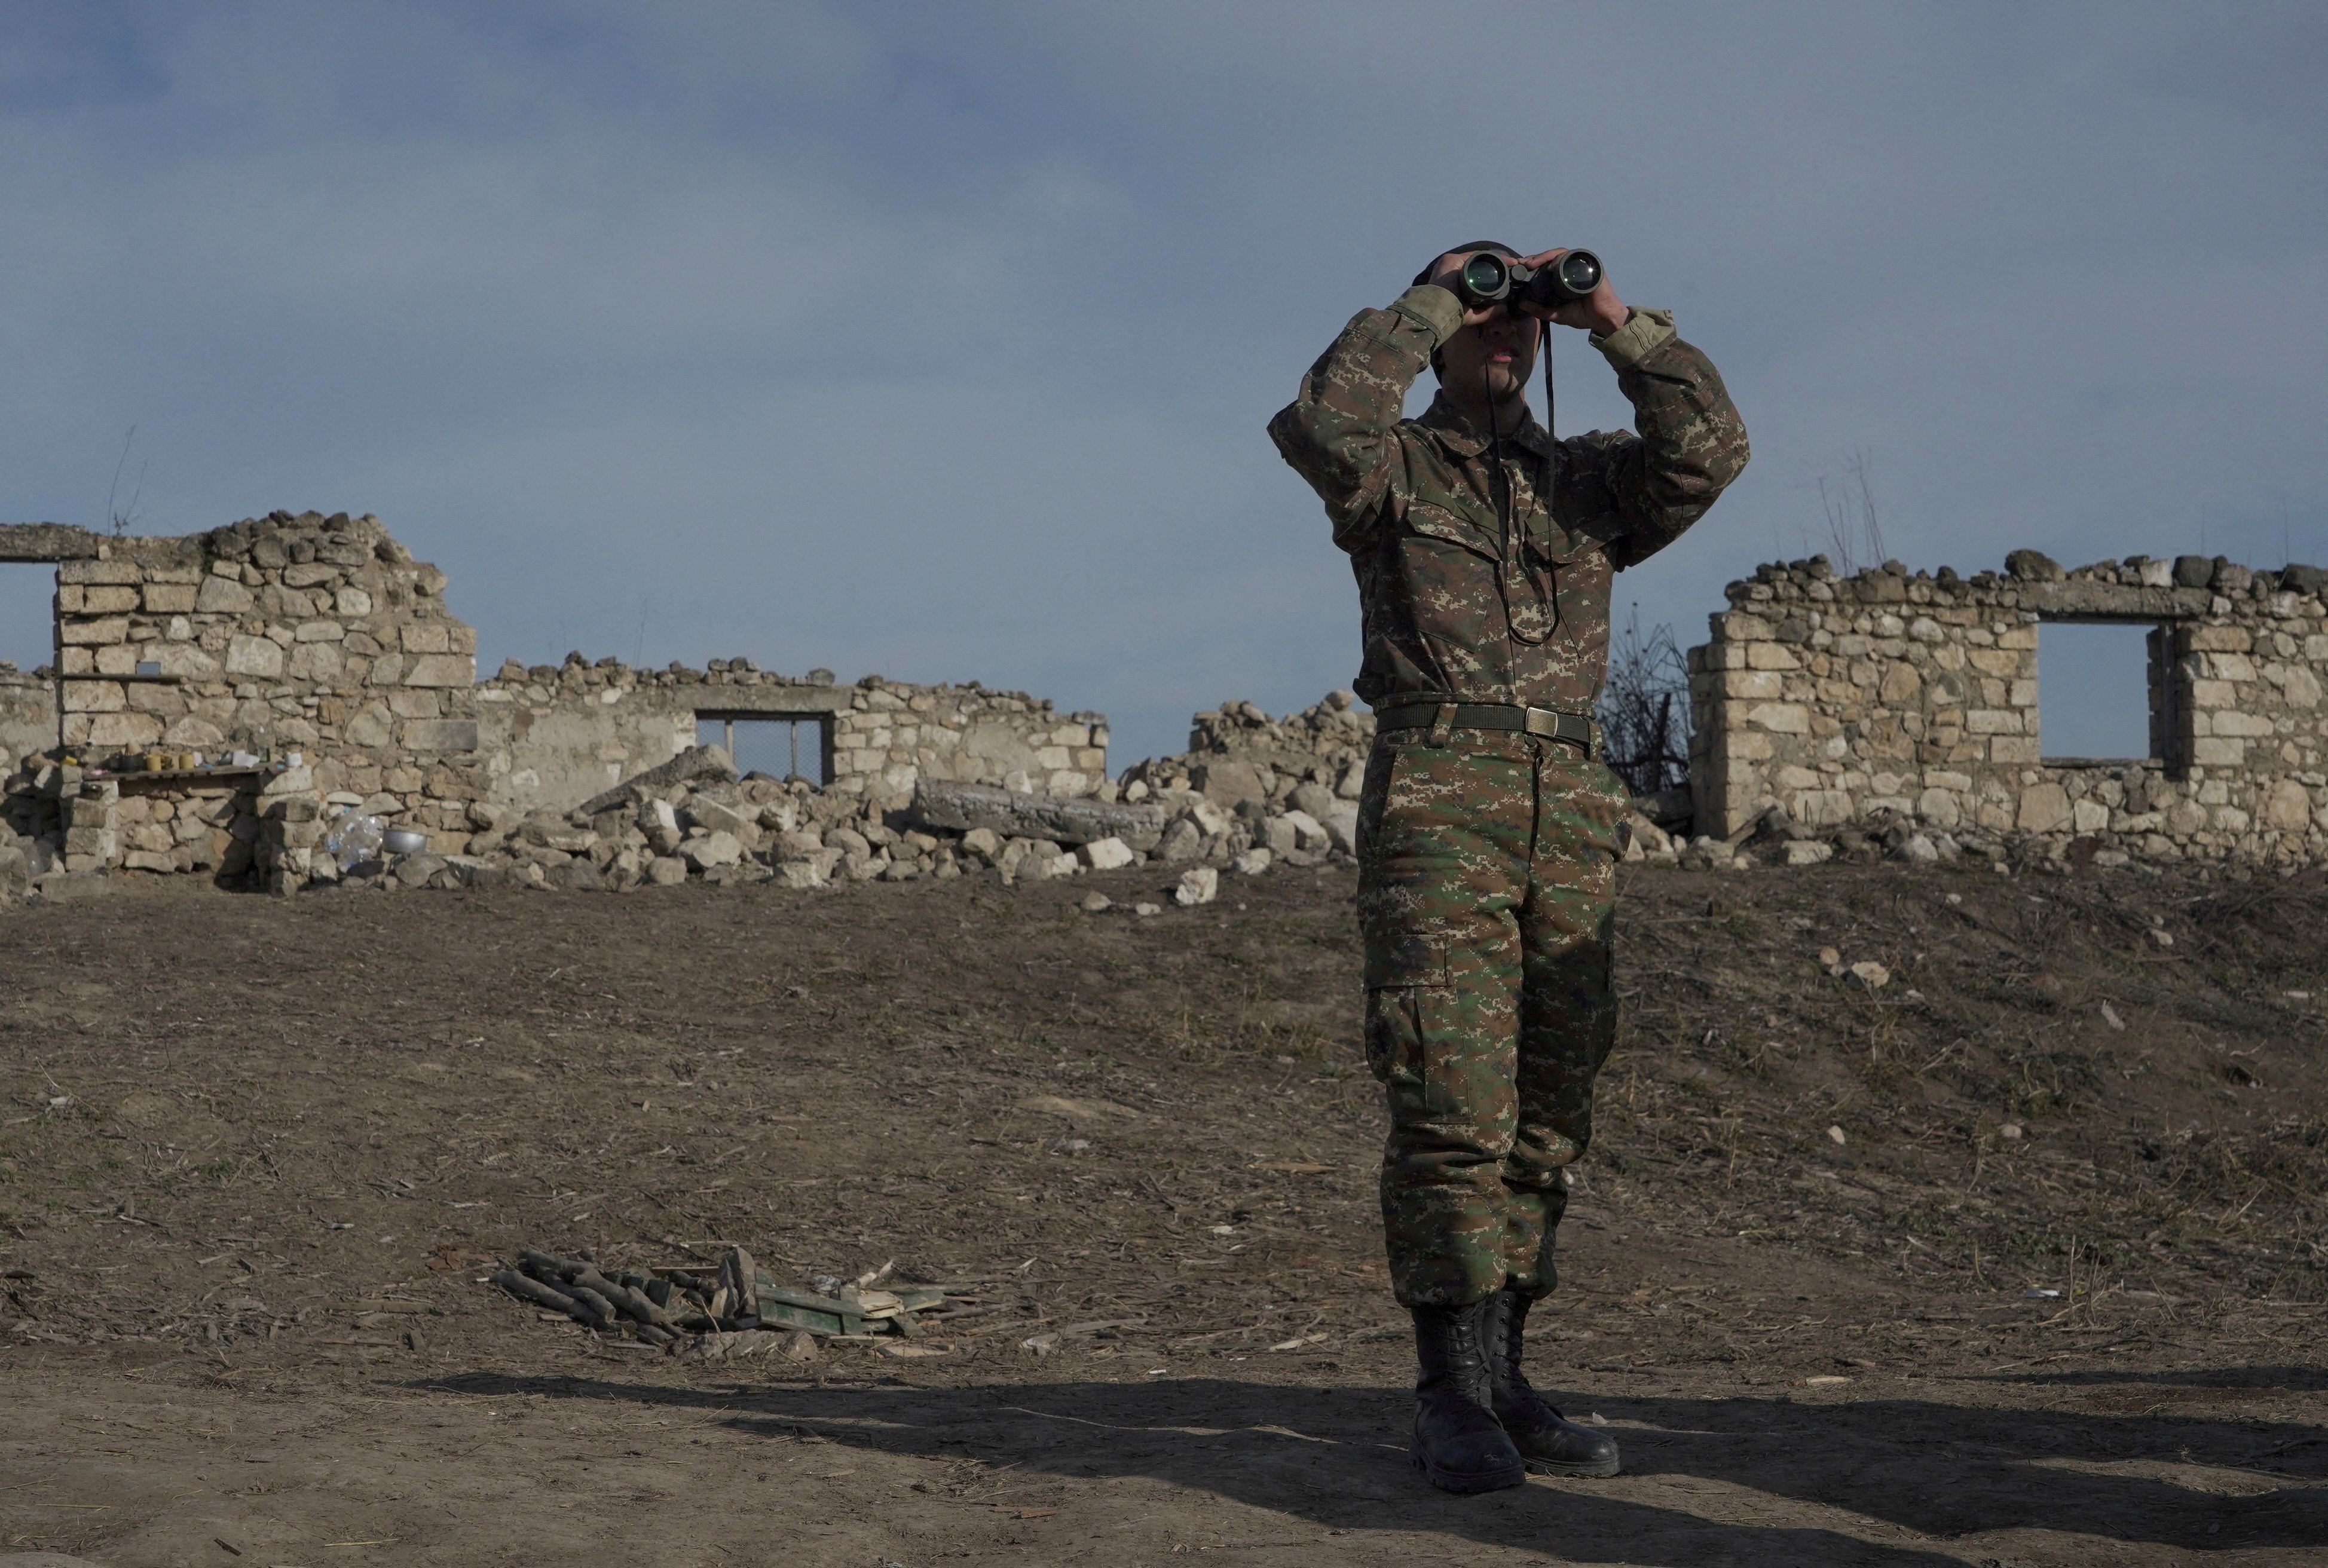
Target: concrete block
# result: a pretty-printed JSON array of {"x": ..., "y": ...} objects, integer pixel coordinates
[
  {"x": 126, "y": 731},
  {"x": 1751, "y": 685},
  {"x": 441, "y": 670},
  {"x": 260, "y": 658},
  {"x": 98, "y": 843},
  {"x": 99, "y": 571},
  {"x": 1939, "y": 808},
  {"x": 2044, "y": 809},
  {"x": 94, "y": 697},
  {"x": 93, "y": 631},
  {"x": 222, "y": 596},
  {"x": 1780, "y": 718},
  {"x": 440, "y": 736},
  {"x": 2286, "y": 806},
  {"x": 1109, "y": 854},
  {"x": 315, "y": 663}
]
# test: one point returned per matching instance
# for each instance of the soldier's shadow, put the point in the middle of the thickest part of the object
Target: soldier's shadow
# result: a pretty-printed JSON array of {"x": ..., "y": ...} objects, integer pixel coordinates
[{"x": 1335, "y": 1457}]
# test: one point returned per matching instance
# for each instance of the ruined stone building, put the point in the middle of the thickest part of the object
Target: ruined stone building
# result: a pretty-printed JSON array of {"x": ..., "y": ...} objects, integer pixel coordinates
[
  {"x": 1917, "y": 698},
  {"x": 319, "y": 639},
  {"x": 313, "y": 668}
]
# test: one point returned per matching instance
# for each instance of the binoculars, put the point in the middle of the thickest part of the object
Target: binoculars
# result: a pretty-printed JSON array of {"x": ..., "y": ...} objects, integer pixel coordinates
[{"x": 1488, "y": 278}]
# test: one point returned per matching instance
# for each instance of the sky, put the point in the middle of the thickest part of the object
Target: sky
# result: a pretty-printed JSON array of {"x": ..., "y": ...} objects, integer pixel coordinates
[{"x": 938, "y": 341}]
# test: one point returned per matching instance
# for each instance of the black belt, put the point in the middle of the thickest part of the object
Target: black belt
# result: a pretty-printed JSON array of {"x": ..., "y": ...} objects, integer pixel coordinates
[{"x": 1438, "y": 716}]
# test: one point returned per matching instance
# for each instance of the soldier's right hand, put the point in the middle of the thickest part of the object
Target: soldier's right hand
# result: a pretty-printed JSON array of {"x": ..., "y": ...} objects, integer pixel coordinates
[{"x": 1444, "y": 272}]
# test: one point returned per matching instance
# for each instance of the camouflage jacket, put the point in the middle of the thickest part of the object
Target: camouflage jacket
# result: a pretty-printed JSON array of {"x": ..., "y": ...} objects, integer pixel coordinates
[{"x": 1453, "y": 610}]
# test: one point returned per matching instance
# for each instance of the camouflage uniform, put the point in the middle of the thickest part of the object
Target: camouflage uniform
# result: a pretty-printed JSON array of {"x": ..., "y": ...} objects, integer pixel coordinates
[{"x": 1486, "y": 880}]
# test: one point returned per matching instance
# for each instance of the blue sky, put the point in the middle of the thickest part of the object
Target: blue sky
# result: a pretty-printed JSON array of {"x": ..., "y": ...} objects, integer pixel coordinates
[{"x": 938, "y": 340}]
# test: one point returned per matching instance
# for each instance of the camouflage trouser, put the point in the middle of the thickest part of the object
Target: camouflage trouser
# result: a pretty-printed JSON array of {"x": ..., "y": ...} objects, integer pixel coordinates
[{"x": 1487, "y": 893}]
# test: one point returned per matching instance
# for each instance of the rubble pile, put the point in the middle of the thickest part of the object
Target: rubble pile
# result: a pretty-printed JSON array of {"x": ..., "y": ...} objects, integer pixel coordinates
[
  {"x": 704, "y": 1312},
  {"x": 693, "y": 819},
  {"x": 1238, "y": 753}
]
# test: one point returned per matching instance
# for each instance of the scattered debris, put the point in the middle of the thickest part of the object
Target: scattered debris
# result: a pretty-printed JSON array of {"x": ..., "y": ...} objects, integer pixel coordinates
[{"x": 717, "y": 1313}]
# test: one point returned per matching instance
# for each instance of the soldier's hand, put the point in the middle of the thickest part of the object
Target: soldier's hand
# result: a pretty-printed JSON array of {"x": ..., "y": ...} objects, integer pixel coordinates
[
  {"x": 1445, "y": 270},
  {"x": 1600, "y": 311}
]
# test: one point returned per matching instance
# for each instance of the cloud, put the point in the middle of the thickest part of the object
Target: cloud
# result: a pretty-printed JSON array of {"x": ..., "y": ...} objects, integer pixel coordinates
[{"x": 939, "y": 340}]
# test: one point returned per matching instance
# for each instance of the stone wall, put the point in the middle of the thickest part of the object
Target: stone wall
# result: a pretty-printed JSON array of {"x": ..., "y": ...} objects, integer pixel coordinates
[
  {"x": 319, "y": 647},
  {"x": 28, "y": 714},
  {"x": 1894, "y": 698},
  {"x": 553, "y": 735}
]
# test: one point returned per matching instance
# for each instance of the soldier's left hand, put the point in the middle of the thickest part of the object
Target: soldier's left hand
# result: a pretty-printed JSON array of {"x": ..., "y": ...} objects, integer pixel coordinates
[{"x": 1599, "y": 311}]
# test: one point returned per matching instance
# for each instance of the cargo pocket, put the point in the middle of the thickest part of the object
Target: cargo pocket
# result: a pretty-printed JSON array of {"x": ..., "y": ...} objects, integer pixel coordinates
[{"x": 1406, "y": 972}]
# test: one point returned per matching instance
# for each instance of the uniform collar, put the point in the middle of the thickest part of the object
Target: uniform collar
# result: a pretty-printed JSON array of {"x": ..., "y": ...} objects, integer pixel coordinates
[{"x": 1453, "y": 429}]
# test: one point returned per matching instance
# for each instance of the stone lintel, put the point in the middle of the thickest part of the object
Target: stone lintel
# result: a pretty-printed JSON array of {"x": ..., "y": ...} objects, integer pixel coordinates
[
  {"x": 46, "y": 541},
  {"x": 2079, "y": 601},
  {"x": 764, "y": 701}
]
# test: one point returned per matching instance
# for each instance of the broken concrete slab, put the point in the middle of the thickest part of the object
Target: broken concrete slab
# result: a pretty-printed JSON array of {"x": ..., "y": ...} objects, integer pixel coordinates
[
  {"x": 696, "y": 763},
  {"x": 960, "y": 808}
]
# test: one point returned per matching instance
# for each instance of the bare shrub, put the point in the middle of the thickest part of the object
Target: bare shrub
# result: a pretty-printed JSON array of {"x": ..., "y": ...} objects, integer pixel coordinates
[{"x": 1644, "y": 710}]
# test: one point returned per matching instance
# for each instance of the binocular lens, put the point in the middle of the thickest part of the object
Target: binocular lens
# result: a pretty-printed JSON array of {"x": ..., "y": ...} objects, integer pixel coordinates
[
  {"x": 1486, "y": 277},
  {"x": 1580, "y": 273}
]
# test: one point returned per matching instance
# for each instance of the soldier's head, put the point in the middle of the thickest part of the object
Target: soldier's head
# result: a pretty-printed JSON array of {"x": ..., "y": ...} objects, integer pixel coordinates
[{"x": 1493, "y": 358}]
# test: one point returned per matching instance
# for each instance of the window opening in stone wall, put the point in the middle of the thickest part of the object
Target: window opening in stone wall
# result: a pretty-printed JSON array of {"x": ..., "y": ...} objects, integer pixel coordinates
[
  {"x": 2101, "y": 692},
  {"x": 28, "y": 619},
  {"x": 780, "y": 746}
]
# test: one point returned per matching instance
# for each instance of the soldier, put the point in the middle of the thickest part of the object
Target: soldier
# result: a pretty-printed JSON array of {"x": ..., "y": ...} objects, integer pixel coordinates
[{"x": 1484, "y": 551}]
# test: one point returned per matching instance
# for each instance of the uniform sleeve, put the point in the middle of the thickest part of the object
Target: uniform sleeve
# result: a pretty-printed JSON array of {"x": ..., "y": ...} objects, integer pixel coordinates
[
  {"x": 1692, "y": 443},
  {"x": 1339, "y": 433}
]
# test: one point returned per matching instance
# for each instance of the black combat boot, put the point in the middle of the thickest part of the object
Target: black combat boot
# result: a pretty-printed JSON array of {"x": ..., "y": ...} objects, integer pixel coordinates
[
  {"x": 1457, "y": 1446},
  {"x": 1549, "y": 1445}
]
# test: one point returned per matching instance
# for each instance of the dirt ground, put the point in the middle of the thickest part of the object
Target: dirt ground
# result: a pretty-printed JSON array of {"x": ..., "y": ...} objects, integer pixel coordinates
[{"x": 256, "y": 1158}]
